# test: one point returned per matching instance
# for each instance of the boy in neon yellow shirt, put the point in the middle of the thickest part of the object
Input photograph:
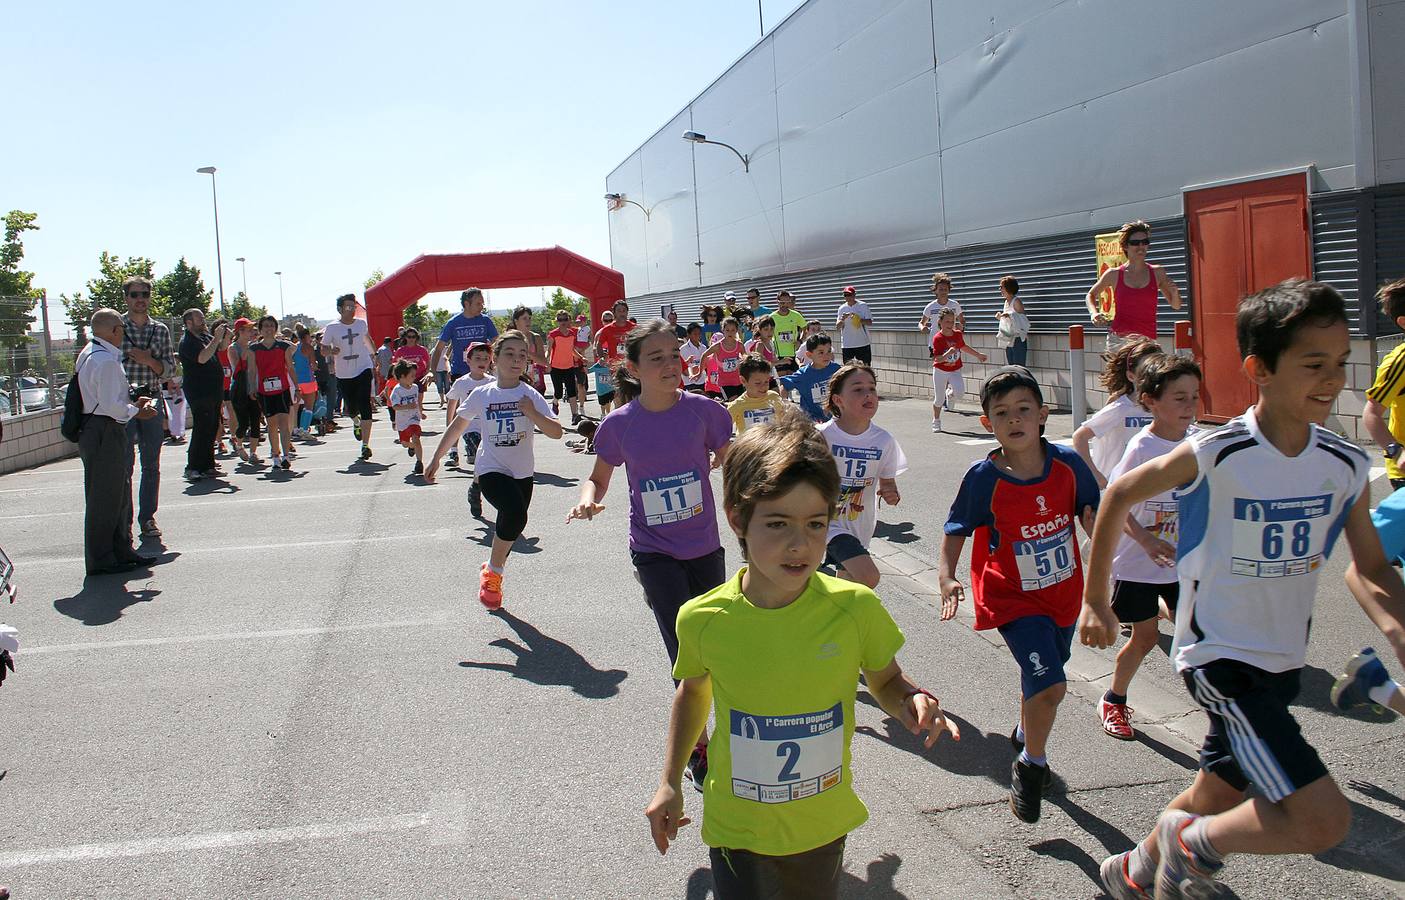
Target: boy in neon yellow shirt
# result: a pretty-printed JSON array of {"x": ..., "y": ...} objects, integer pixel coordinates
[
  {"x": 1387, "y": 393},
  {"x": 776, "y": 652},
  {"x": 759, "y": 405}
]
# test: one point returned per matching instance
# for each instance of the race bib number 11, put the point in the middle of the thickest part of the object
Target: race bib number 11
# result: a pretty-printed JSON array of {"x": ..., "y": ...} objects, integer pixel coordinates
[
  {"x": 672, "y": 498},
  {"x": 777, "y": 759}
]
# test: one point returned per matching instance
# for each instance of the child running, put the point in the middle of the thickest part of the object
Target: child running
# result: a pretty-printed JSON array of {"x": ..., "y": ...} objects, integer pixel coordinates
[
  {"x": 947, "y": 346},
  {"x": 405, "y": 405},
  {"x": 1020, "y": 504},
  {"x": 1263, "y": 501},
  {"x": 272, "y": 368},
  {"x": 763, "y": 344},
  {"x": 1113, "y": 425},
  {"x": 869, "y": 462},
  {"x": 812, "y": 381},
  {"x": 668, "y": 440},
  {"x": 508, "y": 410},
  {"x": 779, "y": 802},
  {"x": 479, "y": 358},
  {"x": 728, "y": 354},
  {"x": 1365, "y": 681},
  {"x": 802, "y": 355},
  {"x": 759, "y": 404},
  {"x": 1144, "y": 569},
  {"x": 694, "y": 380}
]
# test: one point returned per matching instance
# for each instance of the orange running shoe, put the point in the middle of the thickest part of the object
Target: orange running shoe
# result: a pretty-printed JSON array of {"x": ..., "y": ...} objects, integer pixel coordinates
[{"x": 489, "y": 588}]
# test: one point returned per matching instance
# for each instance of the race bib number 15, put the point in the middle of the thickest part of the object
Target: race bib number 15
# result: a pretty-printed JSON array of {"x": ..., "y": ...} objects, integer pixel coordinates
[{"x": 777, "y": 759}]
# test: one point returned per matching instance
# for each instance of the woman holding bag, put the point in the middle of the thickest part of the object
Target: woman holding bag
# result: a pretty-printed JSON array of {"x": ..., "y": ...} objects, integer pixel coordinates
[{"x": 1013, "y": 332}]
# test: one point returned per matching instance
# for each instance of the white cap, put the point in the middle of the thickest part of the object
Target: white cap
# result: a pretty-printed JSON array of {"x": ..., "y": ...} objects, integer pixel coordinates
[{"x": 730, "y": 295}]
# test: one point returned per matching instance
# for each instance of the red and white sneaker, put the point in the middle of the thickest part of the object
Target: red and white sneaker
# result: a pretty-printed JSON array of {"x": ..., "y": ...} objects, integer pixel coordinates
[
  {"x": 489, "y": 588},
  {"x": 1117, "y": 720}
]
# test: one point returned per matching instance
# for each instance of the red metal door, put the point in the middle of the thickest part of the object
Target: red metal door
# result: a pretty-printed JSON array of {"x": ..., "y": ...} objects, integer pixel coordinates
[{"x": 1243, "y": 238}]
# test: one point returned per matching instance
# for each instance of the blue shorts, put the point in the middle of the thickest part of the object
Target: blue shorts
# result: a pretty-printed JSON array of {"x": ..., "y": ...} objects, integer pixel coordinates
[
  {"x": 1041, "y": 648},
  {"x": 1389, "y": 519}
]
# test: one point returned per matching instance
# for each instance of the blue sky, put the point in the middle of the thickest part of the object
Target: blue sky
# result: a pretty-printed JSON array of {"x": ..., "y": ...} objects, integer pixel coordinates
[{"x": 348, "y": 136}]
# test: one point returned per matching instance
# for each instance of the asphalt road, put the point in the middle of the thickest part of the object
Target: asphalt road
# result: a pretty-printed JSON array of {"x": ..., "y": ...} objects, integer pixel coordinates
[{"x": 304, "y": 699}]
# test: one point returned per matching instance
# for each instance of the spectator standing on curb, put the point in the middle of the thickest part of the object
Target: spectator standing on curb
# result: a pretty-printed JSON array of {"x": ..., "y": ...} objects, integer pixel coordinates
[
  {"x": 104, "y": 445},
  {"x": 853, "y": 320},
  {"x": 204, "y": 390},
  {"x": 941, "y": 299},
  {"x": 1134, "y": 286},
  {"x": 1013, "y": 330},
  {"x": 147, "y": 360}
]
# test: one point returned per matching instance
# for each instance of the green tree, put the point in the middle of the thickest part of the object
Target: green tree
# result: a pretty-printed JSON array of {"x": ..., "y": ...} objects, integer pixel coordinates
[
  {"x": 544, "y": 319},
  {"x": 437, "y": 319},
  {"x": 417, "y": 317},
  {"x": 78, "y": 310},
  {"x": 180, "y": 290},
  {"x": 106, "y": 289},
  {"x": 16, "y": 286},
  {"x": 375, "y": 278},
  {"x": 240, "y": 307}
]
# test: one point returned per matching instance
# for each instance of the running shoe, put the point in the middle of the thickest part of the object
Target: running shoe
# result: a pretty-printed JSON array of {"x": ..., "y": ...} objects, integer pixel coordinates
[
  {"x": 454, "y": 458},
  {"x": 489, "y": 588},
  {"x": 475, "y": 500},
  {"x": 193, "y": 476},
  {"x": 1181, "y": 873},
  {"x": 696, "y": 770},
  {"x": 575, "y": 419},
  {"x": 409, "y": 450},
  {"x": 1116, "y": 719},
  {"x": 365, "y": 451},
  {"x": 936, "y": 427},
  {"x": 1118, "y": 884},
  {"x": 419, "y": 468},
  {"x": 1363, "y": 672},
  {"x": 149, "y": 529},
  {"x": 1015, "y": 740},
  {"x": 1027, "y": 785},
  {"x": 555, "y": 408},
  {"x": 287, "y": 463},
  {"x": 356, "y": 428}
]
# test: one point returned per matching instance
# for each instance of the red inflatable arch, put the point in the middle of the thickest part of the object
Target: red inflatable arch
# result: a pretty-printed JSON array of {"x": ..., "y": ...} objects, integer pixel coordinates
[{"x": 387, "y": 300}]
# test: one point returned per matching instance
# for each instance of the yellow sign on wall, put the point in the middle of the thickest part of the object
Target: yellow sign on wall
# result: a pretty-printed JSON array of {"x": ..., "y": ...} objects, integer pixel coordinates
[{"x": 1110, "y": 256}]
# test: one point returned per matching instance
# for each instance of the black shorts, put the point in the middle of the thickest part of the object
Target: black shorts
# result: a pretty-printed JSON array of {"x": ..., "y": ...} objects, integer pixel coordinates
[
  {"x": 356, "y": 395},
  {"x": 842, "y": 548},
  {"x": 864, "y": 354},
  {"x": 563, "y": 384},
  {"x": 733, "y": 391},
  {"x": 275, "y": 404},
  {"x": 1253, "y": 737},
  {"x": 1135, "y": 601},
  {"x": 786, "y": 366},
  {"x": 743, "y": 874}
]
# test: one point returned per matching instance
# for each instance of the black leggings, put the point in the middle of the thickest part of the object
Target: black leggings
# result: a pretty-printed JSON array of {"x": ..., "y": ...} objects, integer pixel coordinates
[
  {"x": 510, "y": 497},
  {"x": 563, "y": 382},
  {"x": 744, "y": 875},
  {"x": 247, "y": 414}
]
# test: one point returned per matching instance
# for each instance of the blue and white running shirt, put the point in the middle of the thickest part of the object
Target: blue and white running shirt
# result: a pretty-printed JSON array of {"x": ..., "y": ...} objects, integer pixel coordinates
[{"x": 1255, "y": 529}]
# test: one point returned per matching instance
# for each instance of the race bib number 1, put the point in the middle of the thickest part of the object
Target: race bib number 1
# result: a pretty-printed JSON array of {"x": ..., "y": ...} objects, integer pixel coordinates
[
  {"x": 273, "y": 385},
  {"x": 1275, "y": 539},
  {"x": 672, "y": 498},
  {"x": 1045, "y": 562},
  {"x": 778, "y": 759}
]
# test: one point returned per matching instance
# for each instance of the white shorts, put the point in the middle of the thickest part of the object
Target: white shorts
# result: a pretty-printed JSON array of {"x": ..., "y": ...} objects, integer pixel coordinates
[{"x": 941, "y": 379}]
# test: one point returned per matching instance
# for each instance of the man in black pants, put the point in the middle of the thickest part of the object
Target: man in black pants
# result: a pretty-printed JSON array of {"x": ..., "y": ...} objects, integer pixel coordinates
[
  {"x": 102, "y": 445},
  {"x": 204, "y": 389}
]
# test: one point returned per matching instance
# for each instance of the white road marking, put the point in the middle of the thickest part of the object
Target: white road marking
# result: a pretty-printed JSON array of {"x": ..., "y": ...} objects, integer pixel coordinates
[
  {"x": 1377, "y": 472},
  {"x": 225, "y": 500},
  {"x": 217, "y": 840},
  {"x": 441, "y": 535},
  {"x": 27, "y": 652},
  {"x": 978, "y": 442}
]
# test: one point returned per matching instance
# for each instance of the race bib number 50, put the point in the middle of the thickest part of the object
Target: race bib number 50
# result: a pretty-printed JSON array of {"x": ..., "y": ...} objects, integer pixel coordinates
[
  {"x": 778, "y": 759},
  {"x": 1045, "y": 562},
  {"x": 1275, "y": 538},
  {"x": 672, "y": 498}
]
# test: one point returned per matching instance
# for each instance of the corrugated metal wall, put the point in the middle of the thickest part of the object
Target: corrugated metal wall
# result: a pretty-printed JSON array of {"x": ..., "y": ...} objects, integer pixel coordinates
[
  {"x": 1054, "y": 274},
  {"x": 1336, "y": 256},
  {"x": 1390, "y": 232}
]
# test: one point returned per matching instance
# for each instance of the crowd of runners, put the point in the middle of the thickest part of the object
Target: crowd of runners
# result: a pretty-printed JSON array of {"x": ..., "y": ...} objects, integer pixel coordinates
[{"x": 1223, "y": 532}]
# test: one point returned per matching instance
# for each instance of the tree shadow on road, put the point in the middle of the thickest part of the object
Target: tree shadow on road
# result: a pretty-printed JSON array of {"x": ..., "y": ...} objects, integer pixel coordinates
[
  {"x": 546, "y": 661},
  {"x": 103, "y": 598},
  {"x": 551, "y": 480},
  {"x": 877, "y": 883},
  {"x": 895, "y": 532},
  {"x": 977, "y": 753},
  {"x": 523, "y": 544}
]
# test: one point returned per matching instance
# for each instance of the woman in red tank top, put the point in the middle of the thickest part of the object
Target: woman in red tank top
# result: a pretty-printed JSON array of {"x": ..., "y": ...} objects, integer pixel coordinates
[
  {"x": 272, "y": 370},
  {"x": 1135, "y": 286},
  {"x": 227, "y": 410}
]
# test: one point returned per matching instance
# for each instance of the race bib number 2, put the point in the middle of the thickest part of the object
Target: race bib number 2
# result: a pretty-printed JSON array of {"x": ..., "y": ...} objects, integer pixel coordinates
[
  {"x": 672, "y": 498},
  {"x": 779, "y": 759},
  {"x": 1275, "y": 538}
]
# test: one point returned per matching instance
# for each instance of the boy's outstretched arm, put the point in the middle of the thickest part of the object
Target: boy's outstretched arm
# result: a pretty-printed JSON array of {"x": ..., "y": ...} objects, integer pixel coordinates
[
  {"x": 691, "y": 703},
  {"x": 1372, "y": 579},
  {"x": 952, "y": 591},
  {"x": 906, "y": 702},
  {"x": 1097, "y": 624}
]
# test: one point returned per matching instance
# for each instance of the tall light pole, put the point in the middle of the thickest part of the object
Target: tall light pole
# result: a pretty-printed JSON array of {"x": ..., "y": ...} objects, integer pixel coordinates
[
  {"x": 245, "y": 268},
  {"x": 219, "y": 264},
  {"x": 281, "y": 311}
]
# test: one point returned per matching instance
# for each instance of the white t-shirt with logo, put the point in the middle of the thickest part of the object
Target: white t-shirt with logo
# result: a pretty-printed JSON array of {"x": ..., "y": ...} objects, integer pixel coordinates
[
  {"x": 691, "y": 355},
  {"x": 933, "y": 309},
  {"x": 461, "y": 388},
  {"x": 1112, "y": 427},
  {"x": 1160, "y": 515},
  {"x": 862, "y": 460},
  {"x": 507, "y": 433},
  {"x": 854, "y": 333},
  {"x": 404, "y": 418},
  {"x": 353, "y": 356}
]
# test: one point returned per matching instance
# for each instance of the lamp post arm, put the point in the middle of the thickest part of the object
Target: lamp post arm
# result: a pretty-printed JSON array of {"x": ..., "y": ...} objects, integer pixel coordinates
[{"x": 746, "y": 160}]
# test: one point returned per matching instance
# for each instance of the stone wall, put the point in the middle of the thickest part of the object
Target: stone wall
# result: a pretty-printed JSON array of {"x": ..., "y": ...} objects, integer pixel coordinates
[
  {"x": 32, "y": 440},
  {"x": 905, "y": 370}
]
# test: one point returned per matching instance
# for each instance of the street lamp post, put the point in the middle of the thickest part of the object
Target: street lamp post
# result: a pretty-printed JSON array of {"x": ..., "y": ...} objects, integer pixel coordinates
[
  {"x": 281, "y": 311},
  {"x": 242, "y": 265},
  {"x": 219, "y": 264}
]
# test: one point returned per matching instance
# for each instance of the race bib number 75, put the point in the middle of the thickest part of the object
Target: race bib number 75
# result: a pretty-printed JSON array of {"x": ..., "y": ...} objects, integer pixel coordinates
[{"x": 777, "y": 759}]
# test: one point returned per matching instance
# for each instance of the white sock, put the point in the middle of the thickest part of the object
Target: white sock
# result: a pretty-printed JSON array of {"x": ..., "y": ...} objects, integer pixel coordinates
[
  {"x": 493, "y": 568},
  {"x": 1382, "y": 693}
]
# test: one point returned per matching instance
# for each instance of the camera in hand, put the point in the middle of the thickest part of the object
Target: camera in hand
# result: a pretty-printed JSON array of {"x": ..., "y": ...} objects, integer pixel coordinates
[{"x": 138, "y": 391}]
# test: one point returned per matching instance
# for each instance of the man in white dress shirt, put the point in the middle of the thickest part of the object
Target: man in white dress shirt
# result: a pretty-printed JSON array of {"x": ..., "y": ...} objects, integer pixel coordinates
[{"x": 102, "y": 445}]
